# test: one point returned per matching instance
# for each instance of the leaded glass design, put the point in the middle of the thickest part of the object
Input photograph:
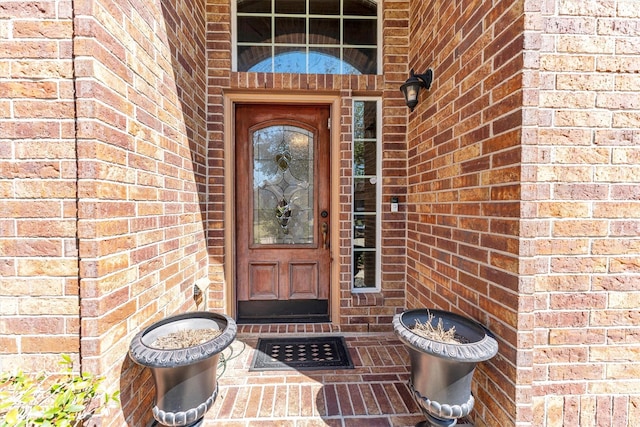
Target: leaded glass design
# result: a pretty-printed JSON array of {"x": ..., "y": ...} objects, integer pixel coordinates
[
  {"x": 283, "y": 185},
  {"x": 307, "y": 36}
]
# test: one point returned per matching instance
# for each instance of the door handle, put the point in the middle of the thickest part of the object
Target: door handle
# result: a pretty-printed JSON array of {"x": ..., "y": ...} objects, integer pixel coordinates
[{"x": 325, "y": 231}]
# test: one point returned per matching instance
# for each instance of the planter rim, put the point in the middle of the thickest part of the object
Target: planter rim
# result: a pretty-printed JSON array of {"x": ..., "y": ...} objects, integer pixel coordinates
[
  {"x": 153, "y": 357},
  {"x": 476, "y": 351}
]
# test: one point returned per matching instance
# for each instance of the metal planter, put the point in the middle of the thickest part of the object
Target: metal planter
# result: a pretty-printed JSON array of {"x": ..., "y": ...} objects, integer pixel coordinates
[
  {"x": 185, "y": 379},
  {"x": 441, "y": 373}
]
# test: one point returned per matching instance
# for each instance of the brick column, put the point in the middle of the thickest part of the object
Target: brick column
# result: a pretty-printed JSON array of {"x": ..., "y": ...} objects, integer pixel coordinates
[
  {"x": 39, "y": 313},
  {"x": 581, "y": 214}
]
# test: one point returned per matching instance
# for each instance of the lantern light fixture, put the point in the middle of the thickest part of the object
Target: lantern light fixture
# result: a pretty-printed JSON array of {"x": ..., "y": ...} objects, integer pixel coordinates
[{"x": 411, "y": 87}]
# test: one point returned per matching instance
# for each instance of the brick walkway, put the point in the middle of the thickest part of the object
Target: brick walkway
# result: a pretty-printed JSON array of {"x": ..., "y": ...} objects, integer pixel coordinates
[{"x": 373, "y": 394}]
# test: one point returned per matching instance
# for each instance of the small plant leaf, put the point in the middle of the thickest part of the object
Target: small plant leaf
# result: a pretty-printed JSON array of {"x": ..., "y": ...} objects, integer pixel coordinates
[
  {"x": 28, "y": 400},
  {"x": 12, "y": 417},
  {"x": 75, "y": 408}
]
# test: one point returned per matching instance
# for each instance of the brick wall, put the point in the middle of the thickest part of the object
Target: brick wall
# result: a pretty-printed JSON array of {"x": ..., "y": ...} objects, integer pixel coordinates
[
  {"x": 395, "y": 35},
  {"x": 517, "y": 176},
  {"x": 218, "y": 72},
  {"x": 103, "y": 195},
  {"x": 38, "y": 253},
  {"x": 463, "y": 175},
  {"x": 581, "y": 211},
  {"x": 141, "y": 117},
  {"x": 107, "y": 196}
]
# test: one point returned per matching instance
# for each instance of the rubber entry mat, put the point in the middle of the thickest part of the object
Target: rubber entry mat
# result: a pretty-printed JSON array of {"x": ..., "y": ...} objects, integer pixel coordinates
[{"x": 304, "y": 354}]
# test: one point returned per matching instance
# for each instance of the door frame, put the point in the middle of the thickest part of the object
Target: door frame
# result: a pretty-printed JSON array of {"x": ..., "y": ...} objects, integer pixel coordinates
[{"x": 230, "y": 98}]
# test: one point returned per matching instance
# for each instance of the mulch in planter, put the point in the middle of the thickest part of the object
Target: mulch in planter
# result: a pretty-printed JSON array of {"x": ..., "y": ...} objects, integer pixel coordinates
[
  {"x": 302, "y": 354},
  {"x": 185, "y": 338}
]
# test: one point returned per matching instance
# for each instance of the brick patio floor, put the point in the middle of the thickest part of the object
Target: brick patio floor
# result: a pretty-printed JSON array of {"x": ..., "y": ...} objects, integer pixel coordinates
[{"x": 373, "y": 394}]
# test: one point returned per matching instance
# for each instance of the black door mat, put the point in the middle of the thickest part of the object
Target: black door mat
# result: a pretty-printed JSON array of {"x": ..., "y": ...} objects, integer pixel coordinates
[{"x": 303, "y": 354}]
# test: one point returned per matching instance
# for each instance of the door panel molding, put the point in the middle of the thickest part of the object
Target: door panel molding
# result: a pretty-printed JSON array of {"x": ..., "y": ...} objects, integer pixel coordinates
[
  {"x": 265, "y": 273},
  {"x": 303, "y": 280}
]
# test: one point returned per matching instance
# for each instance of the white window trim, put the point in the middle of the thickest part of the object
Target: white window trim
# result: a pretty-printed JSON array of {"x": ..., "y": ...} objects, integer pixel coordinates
[
  {"x": 379, "y": 183},
  {"x": 234, "y": 36},
  {"x": 380, "y": 4}
]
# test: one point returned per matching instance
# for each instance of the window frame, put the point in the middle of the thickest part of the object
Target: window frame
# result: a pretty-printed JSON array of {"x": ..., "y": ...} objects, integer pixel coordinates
[
  {"x": 379, "y": 182},
  {"x": 234, "y": 35}
]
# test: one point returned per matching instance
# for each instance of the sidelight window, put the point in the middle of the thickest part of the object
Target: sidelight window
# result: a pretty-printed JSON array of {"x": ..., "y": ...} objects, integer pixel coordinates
[
  {"x": 307, "y": 36},
  {"x": 366, "y": 195}
]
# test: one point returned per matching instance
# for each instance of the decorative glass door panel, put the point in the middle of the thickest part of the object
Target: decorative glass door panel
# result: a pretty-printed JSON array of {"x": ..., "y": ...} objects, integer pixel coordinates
[{"x": 283, "y": 186}]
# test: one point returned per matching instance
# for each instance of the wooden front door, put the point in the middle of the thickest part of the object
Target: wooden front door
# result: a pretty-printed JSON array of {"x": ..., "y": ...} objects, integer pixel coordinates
[{"x": 282, "y": 212}]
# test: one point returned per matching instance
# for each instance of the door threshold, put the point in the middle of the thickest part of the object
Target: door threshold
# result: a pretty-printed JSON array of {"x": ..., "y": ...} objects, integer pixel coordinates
[
  {"x": 292, "y": 311},
  {"x": 246, "y": 320}
]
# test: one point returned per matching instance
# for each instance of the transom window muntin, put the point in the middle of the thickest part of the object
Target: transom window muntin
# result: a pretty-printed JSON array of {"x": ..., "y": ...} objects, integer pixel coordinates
[{"x": 307, "y": 36}]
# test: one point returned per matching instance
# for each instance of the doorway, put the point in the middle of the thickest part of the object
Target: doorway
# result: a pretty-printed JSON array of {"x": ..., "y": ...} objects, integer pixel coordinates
[{"x": 282, "y": 206}]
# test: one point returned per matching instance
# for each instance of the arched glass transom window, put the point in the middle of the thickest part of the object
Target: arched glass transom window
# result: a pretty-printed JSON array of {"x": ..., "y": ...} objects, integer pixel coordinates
[{"x": 307, "y": 36}]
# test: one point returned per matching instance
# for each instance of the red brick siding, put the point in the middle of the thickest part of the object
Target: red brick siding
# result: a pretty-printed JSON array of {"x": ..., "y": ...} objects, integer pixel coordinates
[
  {"x": 581, "y": 213},
  {"x": 141, "y": 114},
  {"x": 517, "y": 177},
  {"x": 463, "y": 175},
  {"x": 150, "y": 161},
  {"x": 39, "y": 309},
  {"x": 218, "y": 72}
]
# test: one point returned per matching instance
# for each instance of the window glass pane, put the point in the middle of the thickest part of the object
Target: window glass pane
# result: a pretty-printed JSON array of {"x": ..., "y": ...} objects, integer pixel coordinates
[
  {"x": 364, "y": 157},
  {"x": 364, "y": 120},
  {"x": 254, "y": 29},
  {"x": 364, "y": 231},
  {"x": 255, "y": 58},
  {"x": 364, "y": 269},
  {"x": 364, "y": 194},
  {"x": 290, "y": 31},
  {"x": 324, "y": 60},
  {"x": 290, "y": 60},
  {"x": 360, "y": 7},
  {"x": 360, "y": 31},
  {"x": 324, "y": 31},
  {"x": 290, "y": 6},
  {"x": 254, "y": 6},
  {"x": 358, "y": 158},
  {"x": 363, "y": 60},
  {"x": 347, "y": 68},
  {"x": 324, "y": 7}
]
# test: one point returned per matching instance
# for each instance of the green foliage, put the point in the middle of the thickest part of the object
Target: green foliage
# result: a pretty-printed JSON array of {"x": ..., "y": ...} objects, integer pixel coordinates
[{"x": 37, "y": 400}]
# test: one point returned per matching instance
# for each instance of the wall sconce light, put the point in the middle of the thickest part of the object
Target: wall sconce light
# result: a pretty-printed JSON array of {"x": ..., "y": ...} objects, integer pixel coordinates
[{"x": 411, "y": 87}]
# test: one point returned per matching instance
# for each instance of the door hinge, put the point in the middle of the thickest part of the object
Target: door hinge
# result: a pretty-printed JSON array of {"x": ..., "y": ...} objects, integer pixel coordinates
[{"x": 329, "y": 123}]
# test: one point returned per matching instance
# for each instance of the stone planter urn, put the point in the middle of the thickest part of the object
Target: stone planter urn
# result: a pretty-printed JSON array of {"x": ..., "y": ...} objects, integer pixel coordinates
[
  {"x": 441, "y": 373},
  {"x": 185, "y": 378}
]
